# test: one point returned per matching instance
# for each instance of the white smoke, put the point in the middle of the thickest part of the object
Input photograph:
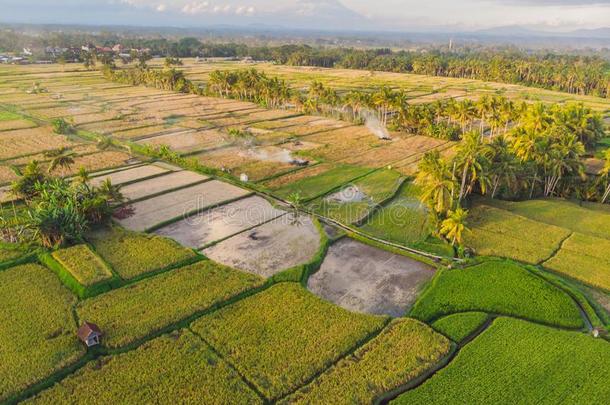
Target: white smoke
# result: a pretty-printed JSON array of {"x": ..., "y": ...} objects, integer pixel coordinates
[
  {"x": 282, "y": 155},
  {"x": 372, "y": 123}
]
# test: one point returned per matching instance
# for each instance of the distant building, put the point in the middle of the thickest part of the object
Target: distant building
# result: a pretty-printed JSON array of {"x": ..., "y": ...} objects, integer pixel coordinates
[
  {"x": 90, "y": 334},
  {"x": 118, "y": 48}
]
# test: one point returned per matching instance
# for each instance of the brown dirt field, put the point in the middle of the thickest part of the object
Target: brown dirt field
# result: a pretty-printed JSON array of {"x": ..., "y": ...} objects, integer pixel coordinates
[
  {"x": 148, "y": 213},
  {"x": 16, "y": 124},
  {"x": 270, "y": 248},
  {"x": 128, "y": 175},
  {"x": 27, "y": 141},
  {"x": 221, "y": 222},
  {"x": 188, "y": 141},
  {"x": 159, "y": 184},
  {"x": 362, "y": 278}
]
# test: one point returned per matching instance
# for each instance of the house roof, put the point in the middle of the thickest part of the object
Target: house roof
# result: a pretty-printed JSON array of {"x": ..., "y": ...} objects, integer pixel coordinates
[{"x": 86, "y": 329}]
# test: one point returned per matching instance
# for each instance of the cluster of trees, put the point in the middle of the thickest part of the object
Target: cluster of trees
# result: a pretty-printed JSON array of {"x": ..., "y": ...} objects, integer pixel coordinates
[
  {"x": 572, "y": 74},
  {"x": 165, "y": 79},
  {"x": 542, "y": 155},
  {"x": 58, "y": 211}
]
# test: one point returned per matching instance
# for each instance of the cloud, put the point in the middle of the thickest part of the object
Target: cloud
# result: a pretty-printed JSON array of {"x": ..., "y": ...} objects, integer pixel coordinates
[{"x": 568, "y": 3}]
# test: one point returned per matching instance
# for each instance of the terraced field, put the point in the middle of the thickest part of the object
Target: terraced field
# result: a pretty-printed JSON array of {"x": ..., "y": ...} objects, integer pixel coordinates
[{"x": 233, "y": 297}]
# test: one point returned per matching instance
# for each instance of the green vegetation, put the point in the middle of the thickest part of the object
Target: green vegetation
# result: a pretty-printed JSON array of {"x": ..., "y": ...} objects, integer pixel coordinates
[
  {"x": 461, "y": 325},
  {"x": 133, "y": 254},
  {"x": 584, "y": 258},
  {"x": 8, "y": 116},
  {"x": 59, "y": 211},
  {"x": 496, "y": 232},
  {"x": 499, "y": 287},
  {"x": 565, "y": 214},
  {"x": 402, "y": 352},
  {"x": 87, "y": 268},
  {"x": 37, "y": 331},
  {"x": 312, "y": 187},
  {"x": 359, "y": 198},
  {"x": 516, "y": 361},
  {"x": 178, "y": 366},
  {"x": 404, "y": 220},
  {"x": 291, "y": 336},
  {"x": 10, "y": 252},
  {"x": 139, "y": 310}
]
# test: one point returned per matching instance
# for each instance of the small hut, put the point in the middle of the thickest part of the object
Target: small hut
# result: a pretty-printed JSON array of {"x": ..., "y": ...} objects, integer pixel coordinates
[{"x": 90, "y": 334}]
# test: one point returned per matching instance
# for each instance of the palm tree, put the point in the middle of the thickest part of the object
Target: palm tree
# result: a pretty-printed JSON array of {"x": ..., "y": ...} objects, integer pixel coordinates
[
  {"x": 437, "y": 183},
  {"x": 60, "y": 158},
  {"x": 606, "y": 175},
  {"x": 503, "y": 165},
  {"x": 472, "y": 160},
  {"x": 453, "y": 227}
]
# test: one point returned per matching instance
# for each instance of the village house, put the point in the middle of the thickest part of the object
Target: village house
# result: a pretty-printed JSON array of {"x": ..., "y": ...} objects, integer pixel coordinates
[{"x": 90, "y": 334}]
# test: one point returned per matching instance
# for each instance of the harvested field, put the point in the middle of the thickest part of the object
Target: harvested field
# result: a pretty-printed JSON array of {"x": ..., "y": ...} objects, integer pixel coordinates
[
  {"x": 293, "y": 177},
  {"x": 178, "y": 204},
  {"x": 35, "y": 318},
  {"x": 87, "y": 268},
  {"x": 496, "y": 232},
  {"x": 30, "y": 141},
  {"x": 362, "y": 278},
  {"x": 178, "y": 365},
  {"x": 292, "y": 336},
  {"x": 268, "y": 249},
  {"x": 188, "y": 141},
  {"x": 161, "y": 184},
  {"x": 95, "y": 161},
  {"x": 221, "y": 222},
  {"x": 136, "y": 311},
  {"x": 133, "y": 254},
  {"x": 16, "y": 124},
  {"x": 129, "y": 175},
  {"x": 404, "y": 350},
  {"x": 499, "y": 287},
  {"x": 7, "y": 175},
  {"x": 531, "y": 363},
  {"x": 584, "y": 258}
]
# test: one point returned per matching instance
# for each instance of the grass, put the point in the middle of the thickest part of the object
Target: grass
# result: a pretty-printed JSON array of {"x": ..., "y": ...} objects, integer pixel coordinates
[
  {"x": 283, "y": 337},
  {"x": 8, "y": 116},
  {"x": 10, "y": 252},
  {"x": 566, "y": 214},
  {"x": 460, "y": 326},
  {"x": 312, "y": 187},
  {"x": 138, "y": 310},
  {"x": 402, "y": 352},
  {"x": 584, "y": 258},
  {"x": 404, "y": 220},
  {"x": 86, "y": 267},
  {"x": 518, "y": 362},
  {"x": 37, "y": 331},
  {"x": 497, "y": 232},
  {"x": 178, "y": 366},
  {"x": 499, "y": 287},
  {"x": 133, "y": 254},
  {"x": 377, "y": 187}
]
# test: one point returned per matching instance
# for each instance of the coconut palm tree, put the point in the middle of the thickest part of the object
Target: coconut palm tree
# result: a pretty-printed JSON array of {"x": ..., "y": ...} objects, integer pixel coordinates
[
  {"x": 437, "y": 183},
  {"x": 61, "y": 158},
  {"x": 453, "y": 227},
  {"x": 472, "y": 160}
]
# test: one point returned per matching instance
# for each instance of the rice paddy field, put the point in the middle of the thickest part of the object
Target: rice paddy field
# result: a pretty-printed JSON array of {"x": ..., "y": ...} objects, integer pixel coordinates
[{"x": 209, "y": 288}]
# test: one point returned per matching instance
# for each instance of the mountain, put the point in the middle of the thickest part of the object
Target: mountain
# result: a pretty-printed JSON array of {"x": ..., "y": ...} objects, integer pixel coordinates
[{"x": 518, "y": 31}]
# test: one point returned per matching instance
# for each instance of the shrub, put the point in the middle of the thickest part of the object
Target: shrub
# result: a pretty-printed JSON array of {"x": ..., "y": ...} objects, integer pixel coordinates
[
  {"x": 518, "y": 362},
  {"x": 62, "y": 126},
  {"x": 499, "y": 287},
  {"x": 284, "y": 336}
]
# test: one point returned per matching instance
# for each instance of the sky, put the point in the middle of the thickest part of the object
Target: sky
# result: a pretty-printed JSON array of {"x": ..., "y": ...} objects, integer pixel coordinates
[{"x": 379, "y": 15}]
